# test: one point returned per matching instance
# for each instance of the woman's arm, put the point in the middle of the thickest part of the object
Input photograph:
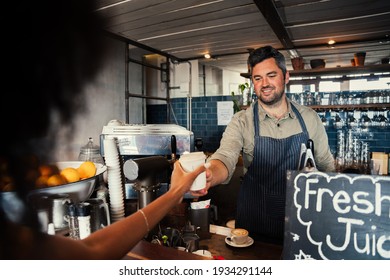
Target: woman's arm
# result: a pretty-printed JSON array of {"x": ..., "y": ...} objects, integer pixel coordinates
[{"x": 111, "y": 242}]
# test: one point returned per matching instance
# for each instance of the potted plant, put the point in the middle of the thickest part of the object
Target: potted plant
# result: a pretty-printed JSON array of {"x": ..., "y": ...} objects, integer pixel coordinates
[
  {"x": 236, "y": 103},
  {"x": 243, "y": 89},
  {"x": 243, "y": 98}
]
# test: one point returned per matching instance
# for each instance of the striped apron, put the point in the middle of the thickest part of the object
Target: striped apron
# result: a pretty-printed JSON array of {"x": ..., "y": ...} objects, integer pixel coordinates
[{"x": 262, "y": 196}]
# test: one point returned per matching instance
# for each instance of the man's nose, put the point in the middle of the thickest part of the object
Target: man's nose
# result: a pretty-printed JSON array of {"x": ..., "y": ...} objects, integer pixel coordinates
[{"x": 264, "y": 82}]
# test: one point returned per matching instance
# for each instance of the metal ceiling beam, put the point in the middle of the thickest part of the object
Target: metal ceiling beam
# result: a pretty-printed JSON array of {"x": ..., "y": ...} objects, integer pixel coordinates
[
  {"x": 142, "y": 46},
  {"x": 271, "y": 15},
  {"x": 380, "y": 40}
]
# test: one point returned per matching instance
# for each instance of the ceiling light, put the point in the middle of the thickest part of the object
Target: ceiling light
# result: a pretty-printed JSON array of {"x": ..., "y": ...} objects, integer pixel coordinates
[
  {"x": 293, "y": 53},
  {"x": 207, "y": 55},
  {"x": 331, "y": 42}
]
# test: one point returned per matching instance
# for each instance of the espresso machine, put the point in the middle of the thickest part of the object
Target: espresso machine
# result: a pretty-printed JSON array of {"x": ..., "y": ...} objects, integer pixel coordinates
[{"x": 147, "y": 152}]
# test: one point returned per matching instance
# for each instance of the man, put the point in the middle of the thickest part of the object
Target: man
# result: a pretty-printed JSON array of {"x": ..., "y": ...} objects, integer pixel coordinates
[{"x": 269, "y": 135}]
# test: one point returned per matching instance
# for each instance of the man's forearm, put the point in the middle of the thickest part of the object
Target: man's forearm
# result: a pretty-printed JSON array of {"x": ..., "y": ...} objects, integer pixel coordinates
[{"x": 219, "y": 172}]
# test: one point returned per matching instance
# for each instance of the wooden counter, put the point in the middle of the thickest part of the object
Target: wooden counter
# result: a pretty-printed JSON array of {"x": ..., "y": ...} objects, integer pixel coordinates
[
  {"x": 145, "y": 250},
  {"x": 258, "y": 251}
]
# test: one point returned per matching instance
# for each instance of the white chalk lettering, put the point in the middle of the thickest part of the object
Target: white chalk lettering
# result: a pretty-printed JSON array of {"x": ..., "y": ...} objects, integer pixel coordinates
[
  {"x": 348, "y": 227},
  {"x": 381, "y": 240},
  {"x": 341, "y": 197},
  {"x": 379, "y": 199},
  {"x": 322, "y": 191},
  {"x": 360, "y": 201},
  {"x": 375, "y": 246},
  {"x": 357, "y": 209},
  {"x": 308, "y": 191},
  {"x": 373, "y": 243},
  {"x": 366, "y": 248}
]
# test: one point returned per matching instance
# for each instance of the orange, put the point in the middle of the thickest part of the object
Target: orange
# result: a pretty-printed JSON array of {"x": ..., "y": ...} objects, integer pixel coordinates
[
  {"x": 48, "y": 169},
  {"x": 70, "y": 174},
  {"x": 56, "y": 180},
  {"x": 87, "y": 169},
  {"x": 41, "y": 182}
]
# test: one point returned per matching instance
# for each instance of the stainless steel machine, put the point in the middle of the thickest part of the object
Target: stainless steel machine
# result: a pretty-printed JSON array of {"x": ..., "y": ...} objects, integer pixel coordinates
[
  {"x": 140, "y": 140},
  {"x": 147, "y": 151}
]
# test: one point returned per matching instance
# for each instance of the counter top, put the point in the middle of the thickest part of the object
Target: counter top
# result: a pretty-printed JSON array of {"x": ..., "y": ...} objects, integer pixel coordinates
[
  {"x": 145, "y": 250},
  {"x": 215, "y": 243},
  {"x": 258, "y": 251}
]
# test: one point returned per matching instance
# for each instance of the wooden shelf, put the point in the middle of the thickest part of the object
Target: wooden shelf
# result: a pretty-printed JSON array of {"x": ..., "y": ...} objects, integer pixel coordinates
[
  {"x": 377, "y": 68},
  {"x": 344, "y": 107},
  {"x": 245, "y": 75},
  {"x": 351, "y": 107}
]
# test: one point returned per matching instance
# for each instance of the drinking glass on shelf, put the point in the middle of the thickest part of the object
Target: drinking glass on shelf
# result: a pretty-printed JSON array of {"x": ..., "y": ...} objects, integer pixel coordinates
[
  {"x": 365, "y": 157},
  {"x": 323, "y": 119},
  {"x": 351, "y": 120},
  {"x": 318, "y": 98},
  {"x": 383, "y": 121},
  {"x": 375, "y": 166},
  {"x": 333, "y": 100},
  {"x": 343, "y": 99},
  {"x": 340, "y": 154},
  {"x": 375, "y": 119},
  {"x": 365, "y": 120},
  {"x": 339, "y": 120},
  {"x": 309, "y": 98}
]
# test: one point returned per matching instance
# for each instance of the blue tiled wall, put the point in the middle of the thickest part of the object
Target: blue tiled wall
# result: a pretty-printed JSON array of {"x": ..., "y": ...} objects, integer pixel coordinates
[
  {"x": 204, "y": 123},
  {"x": 378, "y": 138},
  {"x": 204, "y": 118}
]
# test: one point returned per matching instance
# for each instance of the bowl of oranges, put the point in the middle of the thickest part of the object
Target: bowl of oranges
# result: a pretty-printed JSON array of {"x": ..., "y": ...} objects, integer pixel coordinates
[{"x": 76, "y": 178}]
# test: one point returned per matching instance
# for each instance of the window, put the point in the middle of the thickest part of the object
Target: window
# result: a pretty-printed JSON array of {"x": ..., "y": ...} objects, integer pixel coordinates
[
  {"x": 329, "y": 86},
  {"x": 363, "y": 84}
]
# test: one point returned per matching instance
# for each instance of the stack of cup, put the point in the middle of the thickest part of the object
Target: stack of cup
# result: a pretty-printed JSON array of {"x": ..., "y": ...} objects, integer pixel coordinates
[
  {"x": 114, "y": 179},
  {"x": 191, "y": 161}
]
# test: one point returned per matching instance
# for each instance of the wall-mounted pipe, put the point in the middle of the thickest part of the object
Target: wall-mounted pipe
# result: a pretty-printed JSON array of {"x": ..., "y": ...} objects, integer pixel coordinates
[{"x": 189, "y": 100}]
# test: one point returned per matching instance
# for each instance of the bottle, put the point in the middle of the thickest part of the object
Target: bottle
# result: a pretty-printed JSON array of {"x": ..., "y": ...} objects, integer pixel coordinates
[
  {"x": 73, "y": 222},
  {"x": 84, "y": 219},
  {"x": 91, "y": 152}
]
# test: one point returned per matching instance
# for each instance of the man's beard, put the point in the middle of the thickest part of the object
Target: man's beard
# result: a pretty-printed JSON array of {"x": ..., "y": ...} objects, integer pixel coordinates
[{"x": 277, "y": 97}]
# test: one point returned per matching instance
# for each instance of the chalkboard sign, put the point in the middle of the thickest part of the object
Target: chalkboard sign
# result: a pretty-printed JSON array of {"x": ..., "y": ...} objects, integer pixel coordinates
[{"x": 337, "y": 216}]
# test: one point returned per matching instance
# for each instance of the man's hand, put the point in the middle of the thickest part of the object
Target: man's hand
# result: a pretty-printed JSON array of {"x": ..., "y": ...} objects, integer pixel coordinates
[
  {"x": 204, "y": 191},
  {"x": 182, "y": 181}
]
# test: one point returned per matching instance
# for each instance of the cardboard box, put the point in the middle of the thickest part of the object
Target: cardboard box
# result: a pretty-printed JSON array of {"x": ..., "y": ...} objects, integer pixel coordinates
[{"x": 384, "y": 158}]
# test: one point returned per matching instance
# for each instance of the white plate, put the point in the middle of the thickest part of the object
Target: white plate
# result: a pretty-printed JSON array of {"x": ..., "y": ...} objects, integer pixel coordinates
[
  {"x": 203, "y": 253},
  {"x": 248, "y": 243}
]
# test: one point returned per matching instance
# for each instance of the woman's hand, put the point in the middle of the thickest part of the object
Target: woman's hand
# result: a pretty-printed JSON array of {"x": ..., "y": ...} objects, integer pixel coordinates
[
  {"x": 203, "y": 191},
  {"x": 181, "y": 181}
]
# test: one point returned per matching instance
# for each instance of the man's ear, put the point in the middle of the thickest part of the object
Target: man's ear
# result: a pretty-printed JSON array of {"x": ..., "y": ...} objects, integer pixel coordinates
[{"x": 287, "y": 78}]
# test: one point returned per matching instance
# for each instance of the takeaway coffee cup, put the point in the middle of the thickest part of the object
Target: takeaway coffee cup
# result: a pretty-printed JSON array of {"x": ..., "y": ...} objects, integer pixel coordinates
[
  {"x": 239, "y": 236},
  {"x": 191, "y": 161}
]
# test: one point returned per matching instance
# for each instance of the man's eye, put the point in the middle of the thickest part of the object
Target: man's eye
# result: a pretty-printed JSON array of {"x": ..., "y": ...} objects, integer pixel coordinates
[
  {"x": 257, "y": 78},
  {"x": 272, "y": 75}
]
